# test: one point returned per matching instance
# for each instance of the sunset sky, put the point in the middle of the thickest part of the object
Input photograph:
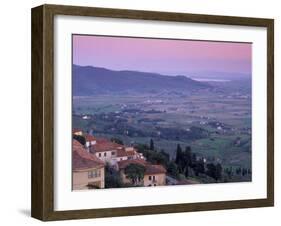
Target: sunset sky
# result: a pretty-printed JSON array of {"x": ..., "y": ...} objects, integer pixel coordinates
[{"x": 169, "y": 57}]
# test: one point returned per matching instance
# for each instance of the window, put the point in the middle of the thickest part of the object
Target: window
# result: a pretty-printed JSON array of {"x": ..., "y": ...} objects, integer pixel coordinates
[
  {"x": 121, "y": 159},
  {"x": 104, "y": 154},
  {"x": 99, "y": 154},
  {"x": 149, "y": 178},
  {"x": 94, "y": 173},
  {"x": 113, "y": 153},
  {"x": 154, "y": 184},
  {"x": 154, "y": 178}
]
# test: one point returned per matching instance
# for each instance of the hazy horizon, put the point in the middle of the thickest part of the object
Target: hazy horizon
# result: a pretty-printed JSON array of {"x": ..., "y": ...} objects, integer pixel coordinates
[
  {"x": 194, "y": 75},
  {"x": 164, "y": 56}
]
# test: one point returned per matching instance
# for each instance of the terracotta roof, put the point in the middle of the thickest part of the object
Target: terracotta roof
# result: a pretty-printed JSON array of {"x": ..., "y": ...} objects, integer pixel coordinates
[
  {"x": 123, "y": 164},
  {"x": 105, "y": 145},
  {"x": 121, "y": 152},
  {"x": 149, "y": 168},
  {"x": 155, "y": 169},
  {"x": 131, "y": 153},
  {"x": 82, "y": 160},
  {"x": 89, "y": 137}
]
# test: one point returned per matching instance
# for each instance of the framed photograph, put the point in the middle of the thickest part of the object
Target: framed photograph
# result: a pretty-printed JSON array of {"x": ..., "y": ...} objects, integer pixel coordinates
[{"x": 141, "y": 112}]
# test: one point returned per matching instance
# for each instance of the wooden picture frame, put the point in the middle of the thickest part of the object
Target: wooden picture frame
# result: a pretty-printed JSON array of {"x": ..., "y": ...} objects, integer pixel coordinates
[{"x": 43, "y": 111}]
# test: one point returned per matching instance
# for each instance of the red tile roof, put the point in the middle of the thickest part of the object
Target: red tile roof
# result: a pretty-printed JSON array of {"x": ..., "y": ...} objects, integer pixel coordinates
[
  {"x": 149, "y": 168},
  {"x": 89, "y": 137},
  {"x": 123, "y": 164},
  {"x": 83, "y": 160},
  {"x": 131, "y": 153},
  {"x": 154, "y": 169},
  {"x": 105, "y": 145},
  {"x": 121, "y": 152}
]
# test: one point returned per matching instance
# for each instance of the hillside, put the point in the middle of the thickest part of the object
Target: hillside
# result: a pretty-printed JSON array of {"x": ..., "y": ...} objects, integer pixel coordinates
[{"x": 88, "y": 80}]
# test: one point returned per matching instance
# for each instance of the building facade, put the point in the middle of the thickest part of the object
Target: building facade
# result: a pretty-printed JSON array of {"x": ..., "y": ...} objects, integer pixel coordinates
[
  {"x": 89, "y": 163},
  {"x": 87, "y": 169},
  {"x": 154, "y": 175},
  {"x": 112, "y": 153}
]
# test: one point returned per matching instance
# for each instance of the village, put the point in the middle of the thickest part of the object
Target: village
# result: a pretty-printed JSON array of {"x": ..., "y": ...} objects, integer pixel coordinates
[
  {"x": 102, "y": 162},
  {"x": 94, "y": 157}
]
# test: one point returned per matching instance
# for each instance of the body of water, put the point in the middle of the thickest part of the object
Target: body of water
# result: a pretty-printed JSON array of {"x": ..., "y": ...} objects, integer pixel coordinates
[{"x": 210, "y": 80}]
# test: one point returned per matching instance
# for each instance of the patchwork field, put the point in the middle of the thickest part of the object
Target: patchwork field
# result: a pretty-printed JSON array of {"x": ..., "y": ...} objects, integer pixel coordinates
[{"x": 215, "y": 123}]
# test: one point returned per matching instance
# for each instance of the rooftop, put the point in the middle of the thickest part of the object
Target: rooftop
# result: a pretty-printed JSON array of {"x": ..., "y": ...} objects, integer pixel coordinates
[
  {"x": 149, "y": 168},
  {"x": 83, "y": 160},
  {"x": 105, "y": 145},
  {"x": 121, "y": 152},
  {"x": 155, "y": 169},
  {"x": 123, "y": 164},
  {"x": 89, "y": 137}
]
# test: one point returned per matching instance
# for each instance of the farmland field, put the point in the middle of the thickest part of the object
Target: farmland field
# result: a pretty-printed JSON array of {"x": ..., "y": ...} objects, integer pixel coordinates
[{"x": 215, "y": 123}]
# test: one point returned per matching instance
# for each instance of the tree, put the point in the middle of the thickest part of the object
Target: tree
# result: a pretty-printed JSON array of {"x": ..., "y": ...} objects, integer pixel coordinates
[
  {"x": 141, "y": 147},
  {"x": 154, "y": 157},
  {"x": 218, "y": 172},
  {"x": 238, "y": 171},
  {"x": 249, "y": 171},
  {"x": 134, "y": 172},
  {"x": 80, "y": 139},
  {"x": 151, "y": 146},
  {"x": 193, "y": 160},
  {"x": 167, "y": 155},
  {"x": 187, "y": 157},
  {"x": 187, "y": 171},
  {"x": 244, "y": 172},
  {"x": 211, "y": 170},
  {"x": 185, "y": 161},
  {"x": 112, "y": 178},
  {"x": 179, "y": 159},
  {"x": 178, "y": 154},
  {"x": 199, "y": 167},
  {"x": 172, "y": 169},
  {"x": 117, "y": 140},
  {"x": 214, "y": 171},
  {"x": 228, "y": 172},
  {"x": 157, "y": 158}
]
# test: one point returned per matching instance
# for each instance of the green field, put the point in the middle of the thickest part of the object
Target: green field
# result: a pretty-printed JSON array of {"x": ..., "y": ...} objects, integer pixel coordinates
[{"x": 217, "y": 126}]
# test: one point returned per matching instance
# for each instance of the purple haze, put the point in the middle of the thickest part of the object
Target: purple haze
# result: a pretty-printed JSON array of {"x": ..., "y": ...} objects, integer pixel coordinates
[{"x": 164, "y": 56}]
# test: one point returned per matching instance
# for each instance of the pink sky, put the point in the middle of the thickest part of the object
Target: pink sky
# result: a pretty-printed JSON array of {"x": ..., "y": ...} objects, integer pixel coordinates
[{"x": 162, "y": 55}]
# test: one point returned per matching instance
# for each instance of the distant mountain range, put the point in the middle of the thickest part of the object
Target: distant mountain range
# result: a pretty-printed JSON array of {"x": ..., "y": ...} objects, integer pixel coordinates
[
  {"x": 221, "y": 75},
  {"x": 88, "y": 80}
]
